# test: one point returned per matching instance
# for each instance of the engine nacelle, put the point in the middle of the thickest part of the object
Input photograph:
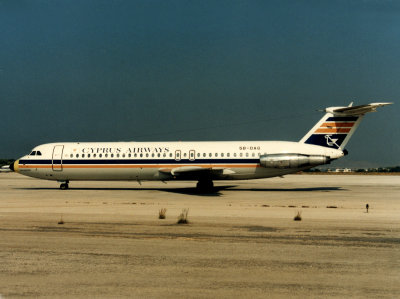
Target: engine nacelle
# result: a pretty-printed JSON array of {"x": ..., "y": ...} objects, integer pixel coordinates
[{"x": 292, "y": 160}]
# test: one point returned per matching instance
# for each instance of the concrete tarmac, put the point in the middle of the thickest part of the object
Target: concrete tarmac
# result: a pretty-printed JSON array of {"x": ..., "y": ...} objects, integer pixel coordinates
[{"x": 241, "y": 241}]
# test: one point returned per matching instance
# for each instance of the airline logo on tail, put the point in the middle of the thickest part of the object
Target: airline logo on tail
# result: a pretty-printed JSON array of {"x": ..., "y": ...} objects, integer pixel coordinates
[
  {"x": 338, "y": 125},
  {"x": 333, "y": 131}
]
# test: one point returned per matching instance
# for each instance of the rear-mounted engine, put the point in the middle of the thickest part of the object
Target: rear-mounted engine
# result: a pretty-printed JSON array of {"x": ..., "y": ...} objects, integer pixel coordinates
[{"x": 292, "y": 160}]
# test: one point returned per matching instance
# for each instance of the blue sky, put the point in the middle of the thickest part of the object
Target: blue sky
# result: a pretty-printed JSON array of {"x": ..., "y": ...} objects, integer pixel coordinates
[{"x": 196, "y": 70}]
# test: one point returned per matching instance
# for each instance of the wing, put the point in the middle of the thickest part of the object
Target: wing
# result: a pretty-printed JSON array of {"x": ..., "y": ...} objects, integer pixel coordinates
[{"x": 196, "y": 172}]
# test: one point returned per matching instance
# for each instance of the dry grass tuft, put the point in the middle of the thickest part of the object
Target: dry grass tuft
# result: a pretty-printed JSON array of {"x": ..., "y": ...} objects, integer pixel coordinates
[
  {"x": 298, "y": 216},
  {"x": 61, "y": 220},
  {"x": 162, "y": 213},
  {"x": 183, "y": 217}
]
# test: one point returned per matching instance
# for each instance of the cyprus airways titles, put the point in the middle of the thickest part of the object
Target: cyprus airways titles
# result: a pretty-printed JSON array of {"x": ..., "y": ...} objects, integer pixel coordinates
[
  {"x": 117, "y": 150},
  {"x": 195, "y": 161}
]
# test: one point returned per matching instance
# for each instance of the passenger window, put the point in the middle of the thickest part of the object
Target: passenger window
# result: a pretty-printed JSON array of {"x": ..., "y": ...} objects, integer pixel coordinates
[
  {"x": 117, "y": 155},
  {"x": 152, "y": 155},
  {"x": 71, "y": 156},
  {"x": 147, "y": 155},
  {"x": 134, "y": 155},
  {"x": 94, "y": 155},
  {"x": 141, "y": 155},
  {"x": 216, "y": 154},
  {"x": 129, "y": 155},
  {"x": 123, "y": 155},
  {"x": 170, "y": 155},
  {"x": 247, "y": 154},
  {"x": 241, "y": 155},
  {"x": 100, "y": 155},
  {"x": 83, "y": 155},
  {"x": 210, "y": 155},
  {"x": 77, "y": 155},
  {"x": 159, "y": 155},
  {"x": 253, "y": 154},
  {"x": 88, "y": 155},
  {"x": 164, "y": 155},
  {"x": 204, "y": 155},
  {"x": 184, "y": 154},
  {"x": 112, "y": 155},
  {"x": 234, "y": 154},
  {"x": 198, "y": 155},
  {"x": 228, "y": 155},
  {"x": 106, "y": 155},
  {"x": 222, "y": 155}
]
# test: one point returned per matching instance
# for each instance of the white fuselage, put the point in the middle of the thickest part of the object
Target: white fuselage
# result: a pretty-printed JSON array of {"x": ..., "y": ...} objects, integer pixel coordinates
[
  {"x": 195, "y": 161},
  {"x": 160, "y": 160}
]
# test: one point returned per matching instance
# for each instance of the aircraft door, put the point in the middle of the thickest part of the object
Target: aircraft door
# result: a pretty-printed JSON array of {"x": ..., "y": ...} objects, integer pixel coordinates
[{"x": 57, "y": 157}]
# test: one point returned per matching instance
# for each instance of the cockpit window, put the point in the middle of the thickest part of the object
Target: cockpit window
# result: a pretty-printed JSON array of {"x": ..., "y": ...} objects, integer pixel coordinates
[
  {"x": 33, "y": 153},
  {"x": 38, "y": 153}
]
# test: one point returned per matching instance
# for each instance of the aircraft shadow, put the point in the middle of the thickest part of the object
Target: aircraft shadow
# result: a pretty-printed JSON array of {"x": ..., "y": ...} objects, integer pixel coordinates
[
  {"x": 193, "y": 191},
  {"x": 217, "y": 190},
  {"x": 187, "y": 190},
  {"x": 326, "y": 189}
]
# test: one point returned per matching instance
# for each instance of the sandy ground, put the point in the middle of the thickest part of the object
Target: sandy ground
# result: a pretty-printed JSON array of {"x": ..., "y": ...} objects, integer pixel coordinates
[{"x": 241, "y": 242}]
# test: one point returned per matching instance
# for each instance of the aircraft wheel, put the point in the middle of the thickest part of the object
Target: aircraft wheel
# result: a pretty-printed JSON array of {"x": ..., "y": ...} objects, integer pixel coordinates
[
  {"x": 64, "y": 186},
  {"x": 205, "y": 186}
]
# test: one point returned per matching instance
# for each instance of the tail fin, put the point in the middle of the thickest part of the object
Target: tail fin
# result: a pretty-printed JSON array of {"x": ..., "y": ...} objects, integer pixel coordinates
[{"x": 337, "y": 126}]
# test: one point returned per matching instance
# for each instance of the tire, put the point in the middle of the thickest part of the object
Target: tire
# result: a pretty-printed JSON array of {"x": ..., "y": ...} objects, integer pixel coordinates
[
  {"x": 205, "y": 186},
  {"x": 64, "y": 186}
]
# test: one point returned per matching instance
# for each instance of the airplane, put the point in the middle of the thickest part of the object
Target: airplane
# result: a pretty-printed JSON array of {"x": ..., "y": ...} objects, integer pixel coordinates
[
  {"x": 202, "y": 161},
  {"x": 5, "y": 168}
]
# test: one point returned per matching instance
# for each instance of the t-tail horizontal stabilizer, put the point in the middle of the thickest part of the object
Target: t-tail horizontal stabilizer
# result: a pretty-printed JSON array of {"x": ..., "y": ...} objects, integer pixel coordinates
[{"x": 338, "y": 125}]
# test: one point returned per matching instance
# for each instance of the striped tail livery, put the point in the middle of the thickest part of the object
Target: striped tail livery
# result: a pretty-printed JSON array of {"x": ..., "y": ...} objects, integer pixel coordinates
[{"x": 338, "y": 125}]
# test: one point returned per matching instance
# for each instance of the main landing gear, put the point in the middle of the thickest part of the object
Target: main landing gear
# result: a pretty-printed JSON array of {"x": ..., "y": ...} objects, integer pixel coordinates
[
  {"x": 204, "y": 186},
  {"x": 64, "y": 185}
]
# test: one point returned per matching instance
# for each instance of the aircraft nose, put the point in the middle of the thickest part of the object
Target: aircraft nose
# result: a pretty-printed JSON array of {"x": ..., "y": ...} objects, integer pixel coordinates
[{"x": 14, "y": 166}]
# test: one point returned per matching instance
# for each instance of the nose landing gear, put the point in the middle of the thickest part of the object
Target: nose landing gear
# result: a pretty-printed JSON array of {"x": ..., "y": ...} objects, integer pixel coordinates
[{"x": 64, "y": 185}]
